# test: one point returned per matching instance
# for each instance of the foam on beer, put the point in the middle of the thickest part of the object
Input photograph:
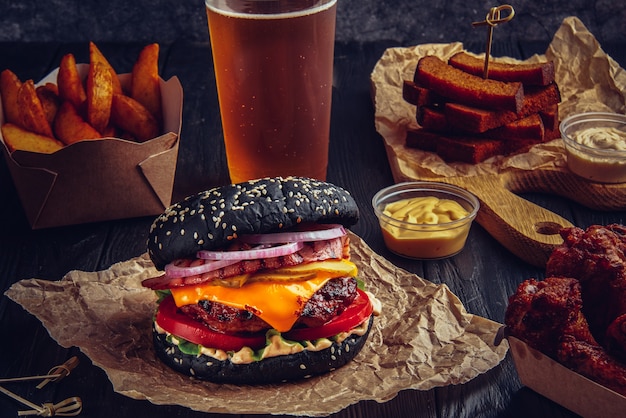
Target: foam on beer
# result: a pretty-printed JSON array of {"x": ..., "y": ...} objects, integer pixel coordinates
[{"x": 225, "y": 9}]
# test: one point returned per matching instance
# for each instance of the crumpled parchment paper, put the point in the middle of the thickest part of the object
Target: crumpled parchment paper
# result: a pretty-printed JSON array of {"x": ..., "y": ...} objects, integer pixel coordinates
[
  {"x": 588, "y": 79},
  {"x": 424, "y": 338}
]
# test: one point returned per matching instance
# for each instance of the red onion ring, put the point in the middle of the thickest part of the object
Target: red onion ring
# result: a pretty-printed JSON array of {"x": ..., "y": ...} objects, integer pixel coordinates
[
  {"x": 330, "y": 231},
  {"x": 292, "y": 242},
  {"x": 253, "y": 254}
]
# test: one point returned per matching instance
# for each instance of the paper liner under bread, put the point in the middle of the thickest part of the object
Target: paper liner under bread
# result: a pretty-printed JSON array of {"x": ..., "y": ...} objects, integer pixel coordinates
[
  {"x": 424, "y": 338},
  {"x": 588, "y": 79}
]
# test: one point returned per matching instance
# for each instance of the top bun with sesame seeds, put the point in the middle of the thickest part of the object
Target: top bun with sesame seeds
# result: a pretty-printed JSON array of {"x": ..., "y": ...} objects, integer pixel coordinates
[
  {"x": 258, "y": 284},
  {"x": 212, "y": 219}
]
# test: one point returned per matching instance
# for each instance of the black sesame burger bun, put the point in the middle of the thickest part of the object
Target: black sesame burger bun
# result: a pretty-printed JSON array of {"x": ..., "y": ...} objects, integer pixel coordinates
[
  {"x": 280, "y": 369},
  {"x": 210, "y": 220}
]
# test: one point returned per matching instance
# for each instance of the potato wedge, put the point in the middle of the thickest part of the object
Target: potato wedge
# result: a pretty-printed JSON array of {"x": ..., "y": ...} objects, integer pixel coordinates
[
  {"x": 145, "y": 86},
  {"x": 99, "y": 89},
  {"x": 70, "y": 127},
  {"x": 49, "y": 96},
  {"x": 110, "y": 132},
  {"x": 32, "y": 114},
  {"x": 9, "y": 86},
  {"x": 95, "y": 55},
  {"x": 69, "y": 81},
  {"x": 17, "y": 138},
  {"x": 131, "y": 116}
]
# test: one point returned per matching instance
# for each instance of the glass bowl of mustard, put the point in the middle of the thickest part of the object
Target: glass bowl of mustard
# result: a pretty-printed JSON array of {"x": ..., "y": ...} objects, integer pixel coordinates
[
  {"x": 425, "y": 220},
  {"x": 595, "y": 146}
]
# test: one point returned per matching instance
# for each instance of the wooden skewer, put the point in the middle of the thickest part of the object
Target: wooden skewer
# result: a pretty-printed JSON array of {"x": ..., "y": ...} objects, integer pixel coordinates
[
  {"x": 38, "y": 409},
  {"x": 56, "y": 373},
  {"x": 492, "y": 20},
  {"x": 62, "y": 371},
  {"x": 68, "y": 407},
  {"x": 28, "y": 378}
]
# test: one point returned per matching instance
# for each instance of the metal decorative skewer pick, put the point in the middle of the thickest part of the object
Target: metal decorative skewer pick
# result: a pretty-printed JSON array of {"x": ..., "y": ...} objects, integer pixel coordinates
[{"x": 493, "y": 19}]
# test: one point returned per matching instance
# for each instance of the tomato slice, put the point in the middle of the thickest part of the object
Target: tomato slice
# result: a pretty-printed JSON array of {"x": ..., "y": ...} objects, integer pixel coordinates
[
  {"x": 360, "y": 309},
  {"x": 181, "y": 325}
]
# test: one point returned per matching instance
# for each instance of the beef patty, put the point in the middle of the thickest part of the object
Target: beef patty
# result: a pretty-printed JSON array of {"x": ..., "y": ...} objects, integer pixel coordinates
[{"x": 329, "y": 301}]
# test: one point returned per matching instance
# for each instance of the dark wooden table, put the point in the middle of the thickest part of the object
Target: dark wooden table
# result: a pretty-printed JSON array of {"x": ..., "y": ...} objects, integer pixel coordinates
[{"x": 482, "y": 276}]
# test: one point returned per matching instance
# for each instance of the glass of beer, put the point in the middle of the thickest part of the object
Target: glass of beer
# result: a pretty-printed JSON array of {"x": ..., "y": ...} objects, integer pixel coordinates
[{"x": 273, "y": 64}]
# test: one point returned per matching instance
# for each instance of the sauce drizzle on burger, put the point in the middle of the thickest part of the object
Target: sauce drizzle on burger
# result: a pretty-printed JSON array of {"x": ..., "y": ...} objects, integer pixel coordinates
[{"x": 258, "y": 286}]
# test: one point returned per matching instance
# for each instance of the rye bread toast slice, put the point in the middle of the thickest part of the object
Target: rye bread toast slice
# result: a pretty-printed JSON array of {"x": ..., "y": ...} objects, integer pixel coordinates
[
  {"x": 455, "y": 148},
  {"x": 433, "y": 119},
  {"x": 529, "y": 127},
  {"x": 418, "y": 95},
  {"x": 459, "y": 86},
  {"x": 535, "y": 74},
  {"x": 477, "y": 120},
  {"x": 550, "y": 117}
]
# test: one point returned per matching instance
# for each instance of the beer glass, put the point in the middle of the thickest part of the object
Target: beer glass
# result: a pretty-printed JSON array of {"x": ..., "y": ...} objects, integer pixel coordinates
[{"x": 273, "y": 64}]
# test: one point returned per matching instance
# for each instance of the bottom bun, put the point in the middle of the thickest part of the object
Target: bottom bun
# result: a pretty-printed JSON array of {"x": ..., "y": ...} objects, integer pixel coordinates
[{"x": 270, "y": 370}]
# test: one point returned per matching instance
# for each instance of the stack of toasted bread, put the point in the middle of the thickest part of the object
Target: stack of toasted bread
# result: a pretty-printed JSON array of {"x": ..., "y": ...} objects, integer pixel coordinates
[{"x": 465, "y": 117}]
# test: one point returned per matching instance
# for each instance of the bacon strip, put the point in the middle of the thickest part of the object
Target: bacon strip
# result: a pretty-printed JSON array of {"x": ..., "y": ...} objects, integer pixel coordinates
[{"x": 313, "y": 251}]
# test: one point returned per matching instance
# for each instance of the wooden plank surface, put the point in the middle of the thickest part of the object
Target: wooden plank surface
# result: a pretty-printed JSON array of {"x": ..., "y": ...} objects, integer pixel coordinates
[{"x": 482, "y": 276}]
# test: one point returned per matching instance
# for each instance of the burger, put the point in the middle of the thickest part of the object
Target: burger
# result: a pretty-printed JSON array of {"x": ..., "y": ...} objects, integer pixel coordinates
[{"x": 257, "y": 284}]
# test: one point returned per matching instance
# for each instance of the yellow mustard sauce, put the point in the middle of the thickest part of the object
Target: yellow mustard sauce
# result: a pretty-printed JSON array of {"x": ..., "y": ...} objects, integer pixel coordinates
[{"x": 423, "y": 238}]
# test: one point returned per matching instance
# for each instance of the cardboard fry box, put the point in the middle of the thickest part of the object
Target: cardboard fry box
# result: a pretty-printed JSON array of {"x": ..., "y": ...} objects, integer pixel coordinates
[
  {"x": 104, "y": 179},
  {"x": 562, "y": 385}
]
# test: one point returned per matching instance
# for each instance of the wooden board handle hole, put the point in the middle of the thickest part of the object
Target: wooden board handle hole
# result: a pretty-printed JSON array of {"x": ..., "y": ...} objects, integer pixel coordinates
[{"x": 548, "y": 228}]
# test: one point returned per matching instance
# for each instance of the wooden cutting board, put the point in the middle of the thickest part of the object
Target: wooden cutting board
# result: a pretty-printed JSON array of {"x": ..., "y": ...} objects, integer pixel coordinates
[
  {"x": 528, "y": 230},
  {"x": 524, "y": 228}
]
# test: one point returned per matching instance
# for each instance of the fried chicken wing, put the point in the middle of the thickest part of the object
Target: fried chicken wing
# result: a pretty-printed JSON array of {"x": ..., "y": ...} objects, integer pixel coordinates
[
  {"x": 597, "y": 258},
  {"x": 616, "y": 336},
  {"x": 542, "y": 312},
  {"x": 548, "y": 316},
  {"x": 593, "y": 362}
]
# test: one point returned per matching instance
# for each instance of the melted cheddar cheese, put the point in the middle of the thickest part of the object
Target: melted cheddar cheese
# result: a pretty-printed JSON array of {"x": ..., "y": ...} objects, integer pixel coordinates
[{"x": 278, "y": 302}]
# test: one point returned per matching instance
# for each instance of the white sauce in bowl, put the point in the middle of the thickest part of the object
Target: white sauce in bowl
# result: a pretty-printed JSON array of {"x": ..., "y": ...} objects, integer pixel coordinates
[
  {"x": 595, "y": 144},
  {"x": 602, "y": 138}
]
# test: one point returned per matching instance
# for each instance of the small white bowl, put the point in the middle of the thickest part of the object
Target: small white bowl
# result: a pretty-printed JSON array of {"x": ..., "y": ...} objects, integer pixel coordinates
[
  {"x": 595, "y": 145},
  {"x": 432, "y": 233}
]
